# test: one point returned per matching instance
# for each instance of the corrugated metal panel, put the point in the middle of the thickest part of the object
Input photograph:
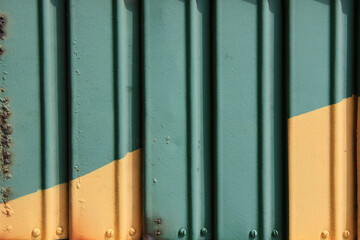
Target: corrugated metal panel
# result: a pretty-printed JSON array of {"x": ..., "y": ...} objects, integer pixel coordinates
[
  {"x": 177, "y": 139},
  {"x": 193, "y": 161},
  {"x": 34, "y": 80},
  {"x": 88, "y": 51},
  {"x": 105, "y": 195},
  {"x": 250, "y": 137},
  {"x": 322, "y": 120},
  {"x": 230, "y": 90}
]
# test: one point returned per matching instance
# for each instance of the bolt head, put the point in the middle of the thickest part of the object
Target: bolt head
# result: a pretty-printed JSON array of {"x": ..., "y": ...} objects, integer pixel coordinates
[
  {"x": 253, "y": 234},
  {"x": 59, "y": 231},
  {"x": 36, "y": 232},
  {"x": 325, "y": 234},
  {"x": 182, "y": 232},
  {"x": 132, "y": 231},
  {"x": 203, "y": 231},
  {"x": 346, "y": 234},
  {"x": 275, "y": 233},
  {"x": 109, "y": 233}
]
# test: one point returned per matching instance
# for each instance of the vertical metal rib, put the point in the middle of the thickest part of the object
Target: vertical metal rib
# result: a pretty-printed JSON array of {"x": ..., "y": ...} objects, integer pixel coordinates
[
  {"x": 357, "y": 85},
  {"x": 194, "y": 118},
  {"x": 217, "y": 195},
  {"x": 48, "y": 119},
  {"x": 336, "y": 119},
  {"x": 122, "y": 115},
  {"x": 265, "y": 117}
]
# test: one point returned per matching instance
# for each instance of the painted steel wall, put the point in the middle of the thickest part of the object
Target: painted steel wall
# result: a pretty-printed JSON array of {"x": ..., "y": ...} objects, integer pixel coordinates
[{"x": 178, "y": 119}]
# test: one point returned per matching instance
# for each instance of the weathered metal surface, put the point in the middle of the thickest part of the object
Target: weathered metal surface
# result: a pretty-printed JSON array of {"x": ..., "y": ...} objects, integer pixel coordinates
[
  {"x": 104, "y": 69},
  {"x": 32, "y": 76},
  {"x": 238, "y": 99},
  {"x": 177, "y": 119}
]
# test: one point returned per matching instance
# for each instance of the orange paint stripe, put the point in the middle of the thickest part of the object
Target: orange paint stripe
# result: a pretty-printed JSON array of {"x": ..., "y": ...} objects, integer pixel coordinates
[
  {"x": 102, "y": 203},
  {"x": 322, "y": 172}
]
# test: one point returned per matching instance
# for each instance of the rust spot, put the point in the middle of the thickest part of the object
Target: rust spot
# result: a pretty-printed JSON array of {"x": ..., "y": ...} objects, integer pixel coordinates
[
  {"x": 150, "y": 236},
  {"x": 8, "y": 211},
  {"x": 5, "y": 140},
  {"x": 157, "y": 221},
  {"x": 157, "y": 233},
  {"x": 5, "y": 193},
  {"x": 2, "y": 20},
  {"x": 3, "y": 90},
  {"x": 2, "y": 50},
  {"x": 2, "y": 26}
]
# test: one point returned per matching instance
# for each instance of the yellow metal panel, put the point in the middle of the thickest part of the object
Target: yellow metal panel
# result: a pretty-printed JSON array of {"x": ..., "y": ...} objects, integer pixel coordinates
[
  {"x": 106, "y": 203},
  {"x": 24, "y": 218},
  {"x": 322, "y": 173}
]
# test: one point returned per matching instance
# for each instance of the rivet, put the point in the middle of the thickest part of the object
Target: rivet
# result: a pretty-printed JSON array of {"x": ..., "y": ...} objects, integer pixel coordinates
[
  {"x": 182, "y": 232},
  {"x": 253, "y": 234},
  {"x": 59, "y": 231},
  {"x": 132, "y": 231},
  {"x": 157, "y": 220},
  {"x": 109, "y": 233},
  {"x": 346, "y": 234},
  {"x": 203, "y": 231},
  {"x": 36, "y": 232},
  {"x": 157, "y": 233},
  {"x": 325, "y": 234},
  {"x": 275, "y": 233}
]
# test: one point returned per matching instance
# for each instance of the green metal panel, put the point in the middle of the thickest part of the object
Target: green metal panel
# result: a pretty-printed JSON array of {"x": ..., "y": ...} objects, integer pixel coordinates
[
  {"x": 250, "y": 162},
  {"x": 313, "y": 38},
  {"x": 215, "y": 81},
  {"x": 178, "y": 153},
  {"x": 182, "y": 124},
  {"x": 35, "y": 83}
]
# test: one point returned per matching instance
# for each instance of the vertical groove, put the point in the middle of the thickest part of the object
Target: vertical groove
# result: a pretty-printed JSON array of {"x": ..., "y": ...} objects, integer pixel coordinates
[
  {"x": 71, "y": 118},
  {"x": 217, "y": 216},
  {"x": 357, "y": 85},
  {"x": 214, "y": 55},
  {"x": 68, "y": 115},
  {"x": 336, "y": 142},
  {"x": 122, "y": 115},
  {"x": 194, "y": 118},
  {"x": 265, "y": 118},
  {"x": 286, "y": 99},
  {"x": 48, "y": 119},
  {"x": 116, "y": 112}
]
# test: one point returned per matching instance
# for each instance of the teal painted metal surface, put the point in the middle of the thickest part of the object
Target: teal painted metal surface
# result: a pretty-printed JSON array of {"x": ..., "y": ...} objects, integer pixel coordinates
[
  {"x": 104, "y": 68},
  {"x": 177, "y": 118},
  {"x": 314, "y": 41},
  {"x": 250, "y": 162},
  {"x": 35, "y": 83},
  {"x": 214, "y": 80},
  {"x": 213, "y": 143}
]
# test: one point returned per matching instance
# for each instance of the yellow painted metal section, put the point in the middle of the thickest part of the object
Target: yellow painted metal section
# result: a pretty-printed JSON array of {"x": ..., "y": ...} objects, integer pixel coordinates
[
  {"x": 322, "y": 177},
  {"x": 20, "y": 217},
  {"x": 104, "y": 204}
]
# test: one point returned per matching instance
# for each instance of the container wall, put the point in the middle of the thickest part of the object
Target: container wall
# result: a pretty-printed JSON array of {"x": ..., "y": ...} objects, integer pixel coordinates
[
  {"x": 322, "y": 120},
  {"x": 179, "y": 119}
]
